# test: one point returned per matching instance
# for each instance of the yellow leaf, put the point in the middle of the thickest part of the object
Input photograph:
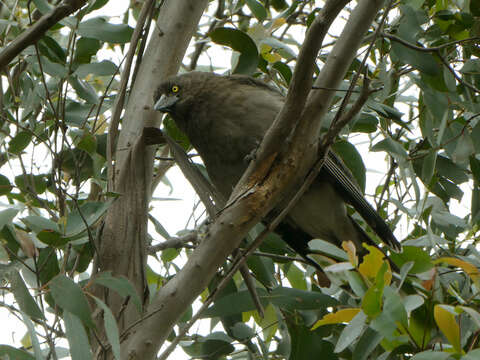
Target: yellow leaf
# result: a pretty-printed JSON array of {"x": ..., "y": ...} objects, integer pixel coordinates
[
  {"x": 272, "y": 57},
  {"x": 470, "y": 269},
  {"x": 372, "y": 263},
  {"x": 277, "y": 23},
  {"x": 265, "y": 49},
  {"x": 349, "y": 247},
  {"x": 341, "y": 316},
  {"x": 446, "y": 322},
  {"x": 26, "y": 341}
]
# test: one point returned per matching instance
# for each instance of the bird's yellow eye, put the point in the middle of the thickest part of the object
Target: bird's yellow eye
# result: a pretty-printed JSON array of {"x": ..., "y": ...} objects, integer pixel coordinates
[{"x": 175, "y": 88}]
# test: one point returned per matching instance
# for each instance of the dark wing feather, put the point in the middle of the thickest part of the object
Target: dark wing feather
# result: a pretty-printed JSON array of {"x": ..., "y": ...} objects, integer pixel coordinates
[{"x": 335, "y": 171}]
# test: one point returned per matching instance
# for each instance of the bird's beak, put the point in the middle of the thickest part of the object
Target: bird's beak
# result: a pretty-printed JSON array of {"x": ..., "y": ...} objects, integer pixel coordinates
[{"x": 165, "y": 103}]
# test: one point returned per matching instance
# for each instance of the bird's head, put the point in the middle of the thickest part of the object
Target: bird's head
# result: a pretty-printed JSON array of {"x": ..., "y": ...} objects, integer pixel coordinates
[{"x": 178, "y": 95}]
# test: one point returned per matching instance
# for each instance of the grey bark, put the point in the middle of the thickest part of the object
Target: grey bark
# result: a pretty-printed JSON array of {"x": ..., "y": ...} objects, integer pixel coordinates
[{"x": 244, "y": 211}]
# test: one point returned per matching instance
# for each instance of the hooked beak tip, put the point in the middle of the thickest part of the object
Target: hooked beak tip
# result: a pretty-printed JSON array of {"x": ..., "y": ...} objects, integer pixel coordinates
[{"x": 165, "y": 103}]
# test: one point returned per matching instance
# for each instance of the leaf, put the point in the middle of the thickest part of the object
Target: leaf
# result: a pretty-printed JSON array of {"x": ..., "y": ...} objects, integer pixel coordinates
[
  {"x": 69, "y": 296},
  {"x": 19, "y": 142},
  {"x": 241, "y": 42},
  {"x": 446, "y": 322},
  {"x": 5, "y": 186},
  {"x": 25, "y": 182},
  {"x": 391, "y": 146},
  {"x": 235, "y": 303},
  {"x": 307, "y": 344},
  {"x": 84, "y": 90},
  {"x": 102, "y": 68},
  {"x": 111, "y": 328},
  {"x": 13, "y": 353},
  {"x": 420, "y": 60},
  {"x": 469, "y": 268},
  {"x": 431, "y": 355},
  {"x": 88, "y": 143},
  {"x": 86, "y": 215},
  {"x": 472, "y": 355},
  {"x": 351, "y": 332},
  {"x": 77, "y": 337},
  {"x": 6, "y": 216},
  {"x": 23, "y": 297},
  {"x": 121, "y": 286},
  {"x": 84, "y": 50},
  {"x": 365, "y": 123},
  {"x": 372, "y": 263},
  {"x": 328, "y": 249},
  {"x": 39, "y": 223},
  {"x": 214, "y": 346},
  {"x": 294, "y": 299},
  {"x": 98, "y": 28},
  {"x": 341, "y": 316},
  {"x": 257, "y": 9},
  {"x": 421, "y": 259}
]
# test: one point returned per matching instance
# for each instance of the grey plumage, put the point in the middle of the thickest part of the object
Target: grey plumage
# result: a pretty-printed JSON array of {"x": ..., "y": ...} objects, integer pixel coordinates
[{"x": 225, "y": 118}]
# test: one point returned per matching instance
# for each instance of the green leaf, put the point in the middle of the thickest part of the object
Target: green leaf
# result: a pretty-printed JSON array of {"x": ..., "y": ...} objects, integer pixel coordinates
[
  {"x": 241, "y": 42},
  {"x": 69, "y": 296},
  {"x": 39, "y": 223},
  {"x": 428, "y": 166},
  {"x": 365, "y": 123},
  {"x": 366, "y": 344},
  {"x": 13, "y": 353},
  {"x": 84, "y": 90},
  {"x": 25, "y": 182},
  {"x": 328, "y": 249},
  {"x": 351, "y": 332},
  {"x": 88, "y": 143},
  {"x": 431, "y": 355},
  {"x": 51, "y": 238},
  {"x": 472, "y": 355},
  {"x": 85, "y": 216},
  {"x": 5, "y": 185},
  {"x": 22, "y": 296},
  {"x": 391, "y": 146},
  {"x": 235, "y": 303},
  {"x": 257, "y": 9},
  {"x": 214, "y": 346},
  {"x": 121, "y": 286},
  {"x": 6, "y": 216},
  {"x": 296, "y": 277},
  {"x": 422, "y": 261},
  {"x": 295, "y": 299},
  {"x": 98, "y": 28},
  {"x": 111, "y": 328},
  {"x": 450, "y": 170},
  {"x": 77, "y": 337},
  {"x": 52, "y": 50},
  {"x": 284, "y": 70},
  {"x": 420, "y": 60},
  {"x": 19, "y": 142},
  {"x": 84, "y": 50},
  {"x": 306, "y": 343},
  {"x": 103, "y": 68}
]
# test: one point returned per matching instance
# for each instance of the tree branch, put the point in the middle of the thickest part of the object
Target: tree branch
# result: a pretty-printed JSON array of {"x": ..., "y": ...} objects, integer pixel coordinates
[{"x": 36, "y": 32}]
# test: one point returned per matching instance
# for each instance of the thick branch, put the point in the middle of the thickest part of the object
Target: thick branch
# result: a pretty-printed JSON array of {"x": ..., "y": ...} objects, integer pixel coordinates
[
  {"x": 334, "y": 70},
  {"x": 35, "y": 32},
  {"x": 300, "y": 85}
]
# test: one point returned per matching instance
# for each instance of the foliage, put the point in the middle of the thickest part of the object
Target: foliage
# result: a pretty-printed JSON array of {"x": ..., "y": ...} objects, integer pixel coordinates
[{"x": 57, "y": 98}]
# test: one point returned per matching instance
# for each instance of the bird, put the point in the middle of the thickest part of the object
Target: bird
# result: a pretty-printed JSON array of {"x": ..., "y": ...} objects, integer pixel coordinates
[{"x": 226, "y": 117}]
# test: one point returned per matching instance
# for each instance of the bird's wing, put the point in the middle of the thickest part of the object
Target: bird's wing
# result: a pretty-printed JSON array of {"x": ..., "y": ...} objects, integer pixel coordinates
[{"x": 335, "y": 171}]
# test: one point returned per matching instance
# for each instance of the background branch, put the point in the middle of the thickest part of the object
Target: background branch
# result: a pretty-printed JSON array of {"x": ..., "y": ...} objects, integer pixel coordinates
[{"x": 35, "y": 32}]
